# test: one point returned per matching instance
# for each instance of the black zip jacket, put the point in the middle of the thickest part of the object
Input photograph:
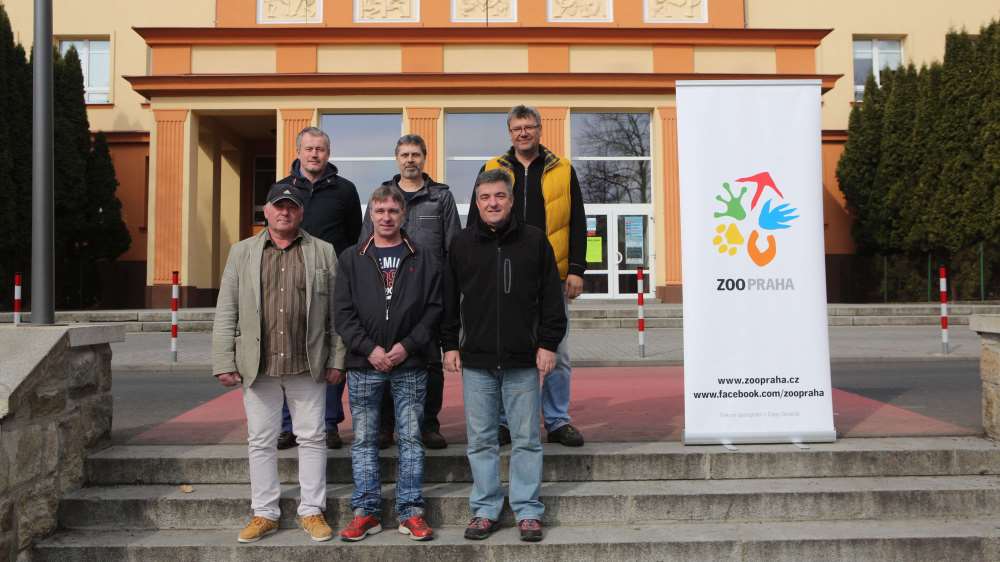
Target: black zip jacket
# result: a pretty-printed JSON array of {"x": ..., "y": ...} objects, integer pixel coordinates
[
  {"x": 431, "y": 218},
  {"x": 333, "y": 209},
  {"x": 529, "y": 205},
  {"x": 502, "y": 287},
  {"x": 362, "y": 318}
]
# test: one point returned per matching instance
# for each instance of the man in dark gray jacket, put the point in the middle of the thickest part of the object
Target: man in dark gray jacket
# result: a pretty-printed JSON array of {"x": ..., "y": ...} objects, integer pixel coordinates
[{"x": 431, "y": 224}]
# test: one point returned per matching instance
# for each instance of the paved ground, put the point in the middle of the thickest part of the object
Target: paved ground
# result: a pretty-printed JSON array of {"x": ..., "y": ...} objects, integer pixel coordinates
[
  {"x": 887, "y": 381},
  {"x": 142, "y": 351}
]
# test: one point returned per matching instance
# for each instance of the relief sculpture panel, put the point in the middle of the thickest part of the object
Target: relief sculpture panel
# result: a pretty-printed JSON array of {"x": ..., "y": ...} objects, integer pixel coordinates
[
  {"x": 483, "y": 10},
  {"x": 289, "y": 11},
  {"x": 579, "y": 10},
  {"x": 386, "y": 10},
  {"x": 680, "y": 11}
]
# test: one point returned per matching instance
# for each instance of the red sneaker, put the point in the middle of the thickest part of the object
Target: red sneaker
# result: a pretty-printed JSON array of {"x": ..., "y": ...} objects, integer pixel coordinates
[
  {"x": 361, "y": 526},
  {"x": 417, "y": 528}
]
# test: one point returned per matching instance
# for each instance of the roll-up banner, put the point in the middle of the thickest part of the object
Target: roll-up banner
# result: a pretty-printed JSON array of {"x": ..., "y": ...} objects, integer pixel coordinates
[{"x": 756, "y": 348}]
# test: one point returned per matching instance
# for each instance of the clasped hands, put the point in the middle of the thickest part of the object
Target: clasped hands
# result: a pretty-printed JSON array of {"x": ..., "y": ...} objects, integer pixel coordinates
[{"x": 385, "y": 361}]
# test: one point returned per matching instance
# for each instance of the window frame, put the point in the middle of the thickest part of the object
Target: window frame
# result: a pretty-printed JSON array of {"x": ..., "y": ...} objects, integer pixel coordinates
[
  {"x": 648, "y": 158},
  {"x": 85, "y": 66},
  {"x": 336, "y": 157},
  {"x": 859, "y": 89},
  {"x": 464, "y": 205}
]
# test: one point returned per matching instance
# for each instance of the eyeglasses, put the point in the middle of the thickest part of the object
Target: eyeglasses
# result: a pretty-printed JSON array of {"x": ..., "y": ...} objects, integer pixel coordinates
[{"x": 525, "y": 129}]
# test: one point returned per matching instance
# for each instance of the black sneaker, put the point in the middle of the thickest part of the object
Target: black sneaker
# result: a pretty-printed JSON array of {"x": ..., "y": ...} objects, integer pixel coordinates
[
  {"x": 433, "y": 440},
  {"x": 567, "y": 435},
  {"x": 286, "y": 440},
  {"x": 384, "y": 440},
  {"x": 333, "y": 440},
  {"x": 480, "y": 528},
  {"x": 503, "y": 435},
  {"x": 531, "y": 530}
]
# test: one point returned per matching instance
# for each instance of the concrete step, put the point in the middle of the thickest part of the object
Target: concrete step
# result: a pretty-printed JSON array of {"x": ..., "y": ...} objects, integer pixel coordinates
[
  {"x": 226, "y": 506},
  {"x": 967, "y": 540},
  {"x": 889, "y": 456}
]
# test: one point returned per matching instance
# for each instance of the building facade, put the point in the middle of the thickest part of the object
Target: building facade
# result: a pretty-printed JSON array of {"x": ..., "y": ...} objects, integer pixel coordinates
[{"x": 202, "y": 101}]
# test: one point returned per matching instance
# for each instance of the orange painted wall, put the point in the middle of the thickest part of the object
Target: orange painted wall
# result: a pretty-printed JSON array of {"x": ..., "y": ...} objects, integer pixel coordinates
[
  {"x": 836, "y": 219},
  {"x": 130, "y": 168},
  {"x": 424, "y": 122}
]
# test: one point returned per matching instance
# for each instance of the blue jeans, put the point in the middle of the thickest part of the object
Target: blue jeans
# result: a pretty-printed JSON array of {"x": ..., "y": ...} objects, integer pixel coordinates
[
  {"x": 409, "y": 389},
  {"x": 334, "y": 409},
  {"x": 555, "y": 387},
  {"x": 484, "y": 391}
]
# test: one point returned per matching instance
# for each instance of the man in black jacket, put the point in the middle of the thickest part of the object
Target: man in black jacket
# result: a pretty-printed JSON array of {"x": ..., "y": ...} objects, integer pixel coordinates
[
  {"x": 333, "y": 214},
  {"x": 503, "y": 281},
  {"x": 431, "y": 223},
  {"x": 547, "y": 195},
  {"x": 387, "y": 305}
]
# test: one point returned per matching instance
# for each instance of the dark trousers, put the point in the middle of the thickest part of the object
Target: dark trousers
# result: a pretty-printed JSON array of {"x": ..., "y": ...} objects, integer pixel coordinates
[{"x": 432, "y": 404}]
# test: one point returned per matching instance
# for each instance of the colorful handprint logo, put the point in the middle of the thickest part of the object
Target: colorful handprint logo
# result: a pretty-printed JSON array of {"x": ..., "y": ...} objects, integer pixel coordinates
[{"x": 773, "y": 215}]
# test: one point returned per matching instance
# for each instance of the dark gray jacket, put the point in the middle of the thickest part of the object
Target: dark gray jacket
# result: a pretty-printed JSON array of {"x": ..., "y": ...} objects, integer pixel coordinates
[{"x": 431, "y": 219}]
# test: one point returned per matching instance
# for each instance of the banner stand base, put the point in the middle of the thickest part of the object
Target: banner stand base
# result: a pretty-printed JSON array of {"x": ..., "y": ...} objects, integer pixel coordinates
[{"x": 751, "y": 438}]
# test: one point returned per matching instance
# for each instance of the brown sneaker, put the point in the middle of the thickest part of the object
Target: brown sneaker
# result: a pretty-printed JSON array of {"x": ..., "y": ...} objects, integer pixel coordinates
[
  {"x": 316, "y": 527},
  {"x": 258, "y": 528}
]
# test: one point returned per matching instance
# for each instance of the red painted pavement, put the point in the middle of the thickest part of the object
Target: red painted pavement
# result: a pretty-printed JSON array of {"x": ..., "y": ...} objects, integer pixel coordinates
[{"x": 609, "y": 404}]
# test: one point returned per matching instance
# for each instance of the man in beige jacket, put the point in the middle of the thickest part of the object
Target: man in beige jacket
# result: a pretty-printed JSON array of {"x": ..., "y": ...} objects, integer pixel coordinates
[{"x": 274, "y": 333}]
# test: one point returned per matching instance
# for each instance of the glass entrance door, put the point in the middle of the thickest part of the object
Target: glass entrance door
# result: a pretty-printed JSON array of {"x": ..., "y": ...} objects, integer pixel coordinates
[{"x": 618, "y": 243}]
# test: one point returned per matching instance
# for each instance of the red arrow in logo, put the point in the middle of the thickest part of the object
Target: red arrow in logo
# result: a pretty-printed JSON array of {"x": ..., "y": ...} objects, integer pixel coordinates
[{"x": 762, "y": 180}]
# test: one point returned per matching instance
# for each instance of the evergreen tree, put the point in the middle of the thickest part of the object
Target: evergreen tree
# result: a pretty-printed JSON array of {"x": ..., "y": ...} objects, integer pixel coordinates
[
  {"x": 15, "y": 157},
  {"x": 72, "y": 142},
  {"x": 961, "y": 209},
  {"x": 858, "y": 165},
  {"x": 916, "y": 211},
  {"x": 896, "y": 172},
  {"x": 107, "y": 235}
]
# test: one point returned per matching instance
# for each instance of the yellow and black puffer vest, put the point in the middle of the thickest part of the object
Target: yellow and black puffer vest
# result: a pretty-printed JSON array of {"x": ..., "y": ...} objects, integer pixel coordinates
[{"x": 556, "y": 194}]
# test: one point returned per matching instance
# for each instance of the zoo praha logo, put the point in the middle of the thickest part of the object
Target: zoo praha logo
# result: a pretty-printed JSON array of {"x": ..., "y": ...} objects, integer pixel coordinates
[{"x": 773, "y": 215}]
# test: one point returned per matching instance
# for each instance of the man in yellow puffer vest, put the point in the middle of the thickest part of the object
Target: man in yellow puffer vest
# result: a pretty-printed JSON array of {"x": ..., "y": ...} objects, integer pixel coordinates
[{"x": 547, "y": 195}]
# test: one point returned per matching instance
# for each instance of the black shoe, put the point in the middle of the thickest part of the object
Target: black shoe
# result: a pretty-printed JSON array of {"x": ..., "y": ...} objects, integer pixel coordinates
[
  {"x": 333, "y": 440},
  {"x": 567, "y": 435},
  {"x": 384, "y": 440},
  {"x": 286, "y": 440},
  {"x": 480, "y": 528},
  {"x": 433, "y": 440},
  {"x": 503, "y": 435},
  {"x": 531, "y": 530}
]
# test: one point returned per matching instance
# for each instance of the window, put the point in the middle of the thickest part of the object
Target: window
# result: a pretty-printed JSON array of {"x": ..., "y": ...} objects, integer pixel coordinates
[
  {"x": 363, "y": 147},
  {"x": 871, "y": 56},
  {"x": 470, "y": 139},
  {"x": 264, "y": 171},
  {"x": 611, "y": 156},
  {"x": 95, "y": 61}
]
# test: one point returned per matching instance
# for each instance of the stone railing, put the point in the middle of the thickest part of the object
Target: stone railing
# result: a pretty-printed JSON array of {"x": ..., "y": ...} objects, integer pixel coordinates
[
  {"x": 55, "y": 408},
  {"x": 988, "y": 328}
]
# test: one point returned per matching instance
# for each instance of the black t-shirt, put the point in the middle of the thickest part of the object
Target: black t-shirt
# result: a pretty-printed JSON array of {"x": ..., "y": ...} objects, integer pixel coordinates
[
  {"x": 388, "y": 261},
  {"x": 408, "y": 195}
]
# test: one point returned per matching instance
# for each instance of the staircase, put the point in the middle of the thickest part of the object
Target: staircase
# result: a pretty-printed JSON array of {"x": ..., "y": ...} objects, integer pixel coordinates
[{"x": 911, "y": 499}]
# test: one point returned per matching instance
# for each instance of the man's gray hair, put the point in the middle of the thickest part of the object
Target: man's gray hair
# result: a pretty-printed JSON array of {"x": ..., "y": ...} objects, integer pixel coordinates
[
  {"x": 385, "y": 193},
  {"x": 412, "y": 139},
  {"x": 494, "y": 176},
  {"x": 313, "y": 132},
  {"x": 524, "y": 112}
]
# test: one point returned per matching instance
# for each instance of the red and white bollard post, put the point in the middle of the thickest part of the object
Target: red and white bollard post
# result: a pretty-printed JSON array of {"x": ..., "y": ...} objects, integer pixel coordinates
[
  {"x": 17, "y": 299},
  {"x": 175, "y": 297},
  {"x": 641, "y": 324},
  {"x": 944, "y": 310}
]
